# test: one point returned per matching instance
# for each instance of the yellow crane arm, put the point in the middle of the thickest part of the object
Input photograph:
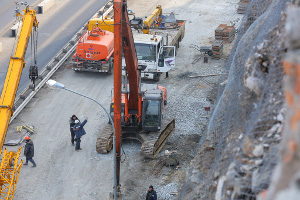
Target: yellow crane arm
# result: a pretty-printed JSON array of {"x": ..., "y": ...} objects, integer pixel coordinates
[
  {"x": 14, "y": 72},
  {"x": 148, "y": 22}
]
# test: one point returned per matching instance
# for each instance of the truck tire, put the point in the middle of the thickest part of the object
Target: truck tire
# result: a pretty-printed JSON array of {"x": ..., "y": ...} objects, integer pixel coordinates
[{"x": 110, "y": 66}]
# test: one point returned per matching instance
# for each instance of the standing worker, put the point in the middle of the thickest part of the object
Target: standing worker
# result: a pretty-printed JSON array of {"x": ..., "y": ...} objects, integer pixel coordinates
[
  {"x": 29, "y": 151},
  {"x": 79, "y": 131},
  {"x": 151, "y": 194},
  {"x": 72, "y": 123}
]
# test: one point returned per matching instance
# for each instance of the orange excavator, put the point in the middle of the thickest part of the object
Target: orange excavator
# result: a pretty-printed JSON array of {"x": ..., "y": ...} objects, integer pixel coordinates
[
  {"x": 137, "y": 108},
  {"x": 94, "y": 52}
]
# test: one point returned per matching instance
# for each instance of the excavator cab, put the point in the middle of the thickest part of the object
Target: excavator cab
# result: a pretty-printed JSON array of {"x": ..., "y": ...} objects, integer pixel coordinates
[{"x": 152, "y": 110}]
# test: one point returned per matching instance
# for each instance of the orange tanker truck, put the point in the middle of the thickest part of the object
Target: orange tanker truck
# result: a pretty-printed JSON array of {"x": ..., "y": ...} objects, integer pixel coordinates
[{"x": 94, "y": 52}]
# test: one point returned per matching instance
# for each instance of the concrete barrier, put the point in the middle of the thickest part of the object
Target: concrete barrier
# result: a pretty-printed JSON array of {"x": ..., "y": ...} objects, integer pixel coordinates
[
  {"x": 16, "y": 29},
  {"x": 0, "y": 47},
  {"x": 44, "y": 6}
]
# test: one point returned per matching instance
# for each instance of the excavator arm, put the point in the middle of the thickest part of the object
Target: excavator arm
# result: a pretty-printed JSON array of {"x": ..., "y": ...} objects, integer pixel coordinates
[
  {"x": 14, "y": 72},
  {"x": 131, "y": 61}
]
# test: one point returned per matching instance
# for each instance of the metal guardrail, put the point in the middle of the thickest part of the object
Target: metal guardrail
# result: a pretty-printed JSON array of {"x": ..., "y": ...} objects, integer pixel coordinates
[{"x": 27, "y": 94}]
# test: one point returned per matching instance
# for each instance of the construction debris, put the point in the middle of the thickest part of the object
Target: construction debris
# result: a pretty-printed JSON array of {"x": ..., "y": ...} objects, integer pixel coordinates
[
  {"x": 228, "y": 34},
  {"x": 29, "y": 129},
  {"x": 219, "y": 31},
  {"x": 217, "y": 49},
  {"x": 225, "y": 33},
  {"x": 205, "y": 76},
  {"x": 243, "y": 4}
]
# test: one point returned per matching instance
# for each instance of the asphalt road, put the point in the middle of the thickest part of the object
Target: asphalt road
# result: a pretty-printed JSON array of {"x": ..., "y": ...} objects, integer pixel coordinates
[
  {"x": 7, "y": 13},
  {"x": 54, "y": 34}
]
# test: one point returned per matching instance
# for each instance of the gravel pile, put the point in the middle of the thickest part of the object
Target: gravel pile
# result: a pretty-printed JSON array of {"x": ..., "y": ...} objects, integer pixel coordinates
[{"x": 167, "y": 192}]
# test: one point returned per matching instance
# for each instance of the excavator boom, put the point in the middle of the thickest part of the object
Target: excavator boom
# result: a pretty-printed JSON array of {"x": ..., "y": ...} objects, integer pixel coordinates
[{"x": 131, "y": 61}]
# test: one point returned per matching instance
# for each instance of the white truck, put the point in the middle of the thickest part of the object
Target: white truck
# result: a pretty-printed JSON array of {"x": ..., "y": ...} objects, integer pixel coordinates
[{"x": 156, "y": 51}]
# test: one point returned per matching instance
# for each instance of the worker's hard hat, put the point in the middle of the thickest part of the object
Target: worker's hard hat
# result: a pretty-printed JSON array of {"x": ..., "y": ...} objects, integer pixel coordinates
[
  {"x": 76, "y": 121},
  {"x": 27, "y": 138}
]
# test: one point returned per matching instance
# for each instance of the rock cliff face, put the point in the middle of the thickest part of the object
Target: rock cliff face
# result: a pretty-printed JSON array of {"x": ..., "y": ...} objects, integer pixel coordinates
[
  {"x": 286, "y": 177},
  {"x": 237, "y": 157}
]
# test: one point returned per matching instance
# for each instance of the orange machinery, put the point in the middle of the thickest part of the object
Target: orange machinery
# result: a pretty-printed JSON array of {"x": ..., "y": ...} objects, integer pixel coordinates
[
  {"x": 94, "y": 51},
  {"x": 137, "y": 108}
]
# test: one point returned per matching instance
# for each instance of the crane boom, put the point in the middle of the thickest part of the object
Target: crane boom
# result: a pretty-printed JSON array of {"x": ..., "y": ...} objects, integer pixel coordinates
[
  {"x": 10, "y": 167},
  {"x": 14, "y": 72},
  {"x": 148, "y": 22}
]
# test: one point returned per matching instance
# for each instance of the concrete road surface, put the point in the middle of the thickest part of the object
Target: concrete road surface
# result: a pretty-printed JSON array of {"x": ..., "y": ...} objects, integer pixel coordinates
[
  {"x": 57, "y": 26},
  {"x": 62, "y": 172}
]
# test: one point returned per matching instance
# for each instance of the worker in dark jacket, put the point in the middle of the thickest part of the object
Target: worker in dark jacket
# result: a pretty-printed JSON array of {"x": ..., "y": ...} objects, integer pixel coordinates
[
  {"x": 151, "y": 194},
  {"x": 29, "y": 151},
  {"x": 72, "y": 123},
  {"x": 79, "y": 132}
]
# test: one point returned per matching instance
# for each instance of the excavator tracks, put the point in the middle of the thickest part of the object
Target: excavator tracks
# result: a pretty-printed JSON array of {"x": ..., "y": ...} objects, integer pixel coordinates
[
  {"x": 156, "y": 140},
  {"x": 152, "y": 142},
  {"x": 104, "y": 142}
]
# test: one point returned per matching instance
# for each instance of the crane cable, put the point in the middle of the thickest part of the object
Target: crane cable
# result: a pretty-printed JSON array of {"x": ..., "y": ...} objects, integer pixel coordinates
[{"x": 33, "y": 70}]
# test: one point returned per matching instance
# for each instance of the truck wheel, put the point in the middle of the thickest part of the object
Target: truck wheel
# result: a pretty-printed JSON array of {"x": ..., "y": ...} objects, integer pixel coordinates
[
  {"x": 178, "y": 43},
  {"x": 110, "y": 66}
]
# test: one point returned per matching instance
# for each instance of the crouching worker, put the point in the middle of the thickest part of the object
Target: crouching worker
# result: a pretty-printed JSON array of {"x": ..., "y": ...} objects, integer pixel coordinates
[
  {"x": 29, "y": 151},
  {"x": 79, "y": 132}
]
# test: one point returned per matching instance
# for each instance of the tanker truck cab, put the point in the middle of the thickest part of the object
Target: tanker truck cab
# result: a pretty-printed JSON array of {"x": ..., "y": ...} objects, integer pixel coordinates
[{"x": 152, "y": 53}]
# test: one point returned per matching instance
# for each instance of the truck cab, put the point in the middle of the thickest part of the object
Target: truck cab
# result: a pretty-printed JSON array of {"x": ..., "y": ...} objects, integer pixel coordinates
[{"x": 152, "y": 53}]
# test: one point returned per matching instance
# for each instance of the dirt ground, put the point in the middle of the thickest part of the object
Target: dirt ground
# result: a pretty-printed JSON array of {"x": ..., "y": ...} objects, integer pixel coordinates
[{"x": 63, "y": 173}]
